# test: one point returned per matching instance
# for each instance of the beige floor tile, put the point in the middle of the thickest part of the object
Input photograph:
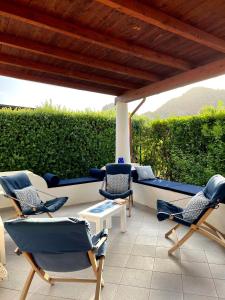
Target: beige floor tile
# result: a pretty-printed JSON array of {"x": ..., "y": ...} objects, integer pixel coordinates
[
  {"x": 31, "y": 296},
  {"x": 198, "y": 286},
  {"x": 134, "y": 277},
  {"x": 216, "y": 257},
  {"x": 116, "y": 260},
  {"x": 15, "y": 280},
  {"x": 146, "y": 240},
  {"x": 143, "y": 250},
  {"x": 125, "y": 237},
  {"x": 167, "y": 266},
  {"x": 193, "y": 255},
  {"x": 165, "y": 295},
  {"x": 166, "y": 281},
  {"x": 163, "y": 242},
  {"x": 220, "y": 287},
  {"x": 112, "y": 274},
  {"x": 120, "y": 247},
  {"x": 218, "y": 271},
  {"x": 131, "y": 293},
  {"x": 7, "y": 294},
  {"x": 140, "y": 262},
  {"x": 109, "y": 291},
  {"x": 195, "y": 269},
  {"x": 162, "y": 252},
  {"x": 198, "y": 297}
]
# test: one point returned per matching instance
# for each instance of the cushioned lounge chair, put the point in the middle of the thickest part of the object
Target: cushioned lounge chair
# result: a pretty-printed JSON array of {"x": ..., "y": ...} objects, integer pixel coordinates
[
  {"x": 214, "y": 191},
  {"x": 117, "y": 169},
  {"x": 21, "y": 181},
  {"x": 59, "y": 245}
]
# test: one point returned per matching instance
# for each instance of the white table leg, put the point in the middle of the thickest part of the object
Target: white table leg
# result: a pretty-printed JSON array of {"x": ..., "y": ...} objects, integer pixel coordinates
[
  {"x": 109, "y": 222},
  {"x": 2, "y": 243},
  {"x": 123, "y": 218},
  {"x": 98, "y": 225}
]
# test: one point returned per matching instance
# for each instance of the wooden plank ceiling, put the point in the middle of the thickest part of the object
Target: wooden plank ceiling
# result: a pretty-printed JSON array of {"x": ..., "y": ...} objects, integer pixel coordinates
[{"x": 126, "y": 48}]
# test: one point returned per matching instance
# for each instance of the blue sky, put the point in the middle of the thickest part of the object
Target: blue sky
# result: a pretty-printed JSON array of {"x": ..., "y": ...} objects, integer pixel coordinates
[{"x": 28, "y": 93}]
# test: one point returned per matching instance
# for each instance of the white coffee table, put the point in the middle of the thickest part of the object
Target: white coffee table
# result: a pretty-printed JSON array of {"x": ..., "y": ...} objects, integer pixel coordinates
[{"x": 101, "y": 216}]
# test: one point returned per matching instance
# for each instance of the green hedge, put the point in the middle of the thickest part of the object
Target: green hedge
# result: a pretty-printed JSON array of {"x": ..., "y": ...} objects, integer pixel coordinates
[
  {"x": 186, "y": 149},
  {"x": 64, "y": 143}
]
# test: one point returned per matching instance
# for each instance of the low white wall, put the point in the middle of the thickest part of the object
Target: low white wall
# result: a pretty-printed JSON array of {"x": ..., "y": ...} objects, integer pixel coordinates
[
  {"x": 79, "y": 193},
  {"x": 148, "y": 195}
]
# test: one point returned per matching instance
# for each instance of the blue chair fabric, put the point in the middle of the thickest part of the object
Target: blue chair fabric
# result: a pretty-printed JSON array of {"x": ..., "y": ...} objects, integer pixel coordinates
[
  {"x": 56, "y": 244},
  {"x": 214, "y": 191},
  {"x": 114, "y": 169},
  {"x": 20, "y": 181}
]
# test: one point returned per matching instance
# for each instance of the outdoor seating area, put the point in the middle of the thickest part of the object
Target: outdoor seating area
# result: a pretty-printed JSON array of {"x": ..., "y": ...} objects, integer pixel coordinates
[
  {"x": 137, "y": 265},
  {"x": 98, "y": 205}
]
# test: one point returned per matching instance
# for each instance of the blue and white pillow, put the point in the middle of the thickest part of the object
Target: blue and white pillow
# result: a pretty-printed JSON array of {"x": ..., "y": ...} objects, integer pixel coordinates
[
  {"x": 28, "y": 197},
  {"x": 117, "y": 184},
  {"x": 195, "y": 207}
]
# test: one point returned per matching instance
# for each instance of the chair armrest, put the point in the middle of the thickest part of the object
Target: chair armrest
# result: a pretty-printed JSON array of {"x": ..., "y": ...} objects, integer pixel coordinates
[{"x": 101, "y": 238}]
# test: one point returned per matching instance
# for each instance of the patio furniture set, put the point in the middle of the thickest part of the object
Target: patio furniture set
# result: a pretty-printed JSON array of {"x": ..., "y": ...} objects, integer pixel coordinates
[{"x": 38, "y": 239}]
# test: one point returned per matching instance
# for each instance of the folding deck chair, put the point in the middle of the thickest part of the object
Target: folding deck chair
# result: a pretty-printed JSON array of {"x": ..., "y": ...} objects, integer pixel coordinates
[
  {"x": 21, "y": 181},
  {"x": 118, "y": 169},
  {"x": 214, "y": 191},
  {"x": 59, "y": 245}
]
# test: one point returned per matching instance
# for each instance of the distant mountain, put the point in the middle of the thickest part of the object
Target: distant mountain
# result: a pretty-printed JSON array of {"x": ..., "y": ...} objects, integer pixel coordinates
[
  {"x": 109, "y": 106},
  {"x": 190, "y": 103}
]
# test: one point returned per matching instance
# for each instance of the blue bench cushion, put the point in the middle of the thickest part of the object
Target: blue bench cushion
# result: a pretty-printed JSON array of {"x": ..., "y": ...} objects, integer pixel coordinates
[
  {"x": 183, "y": 188},
  {"x": 74, "y": 181}
]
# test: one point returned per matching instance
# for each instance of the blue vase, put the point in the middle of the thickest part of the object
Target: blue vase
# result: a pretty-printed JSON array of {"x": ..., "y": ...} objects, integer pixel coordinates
[{"x": 120, "y": 160}]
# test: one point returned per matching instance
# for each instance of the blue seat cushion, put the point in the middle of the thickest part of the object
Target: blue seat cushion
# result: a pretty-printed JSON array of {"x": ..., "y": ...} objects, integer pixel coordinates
[
  {"x": 74, "y": 181},
  {"x": 110, "y": 196},
  {"x": 49, "y": 206},
  {"x": 51, "y": 179},
  {"x": 165, "y": 209},
  {"x": 97, "y": 173},
  {"x": 183, "y": 188}
]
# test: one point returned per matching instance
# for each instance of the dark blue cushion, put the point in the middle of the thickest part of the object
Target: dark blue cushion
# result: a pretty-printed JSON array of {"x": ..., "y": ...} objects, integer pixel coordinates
[
  {"x": 114, "y": 169},
  {"x": 97, "y": 173},
  {"x": 183, "y": 188},
  {"x": 57, "y": 244},
  {"x": 165, "y": 209},
  {"x": 74, "y": 181},
  {"x": 51, "y": 179},
  {"x": 107, "y": 195},
  {"x": 215, "y": 189},
  {"x": 14, "y": 182},
  {"x": 48, "y": 206},
  {"x": 134, "y": 174}
]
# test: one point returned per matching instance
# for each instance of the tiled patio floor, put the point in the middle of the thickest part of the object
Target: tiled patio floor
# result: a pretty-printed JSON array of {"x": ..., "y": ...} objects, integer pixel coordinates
[{"x": 137, "y": 266}]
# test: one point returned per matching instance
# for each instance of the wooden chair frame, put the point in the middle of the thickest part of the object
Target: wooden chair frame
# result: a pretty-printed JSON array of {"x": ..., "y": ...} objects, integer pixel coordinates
[
  {"x": 96, "y": 266},
  {"x": 202, "y": 227},
  {"x": 130, "y": 198}
]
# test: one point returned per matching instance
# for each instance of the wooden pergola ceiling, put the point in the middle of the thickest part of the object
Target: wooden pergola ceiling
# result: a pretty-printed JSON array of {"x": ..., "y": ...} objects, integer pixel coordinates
[{"x": 128, "y": 48}]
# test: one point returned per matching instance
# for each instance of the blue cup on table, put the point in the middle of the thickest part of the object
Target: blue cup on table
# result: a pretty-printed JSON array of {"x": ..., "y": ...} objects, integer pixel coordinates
[{"x": 120, "y": 160}]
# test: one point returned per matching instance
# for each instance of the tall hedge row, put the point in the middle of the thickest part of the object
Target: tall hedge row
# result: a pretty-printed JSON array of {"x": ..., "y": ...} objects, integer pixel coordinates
[
  {"x": 186, "y": 149},
  {"x": 64, "y": 143}
]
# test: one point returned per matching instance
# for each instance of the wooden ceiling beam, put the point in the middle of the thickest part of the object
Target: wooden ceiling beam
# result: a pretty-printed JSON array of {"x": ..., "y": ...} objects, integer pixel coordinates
[
  {"x": 38, "y": 66},
  {"x": 73, "y": 30},
  {"x": 155, "y": 17},
  {"x": 200, "y": 73},
  {"x": 71, "y": 56},
  {"x": 21, "y": 74}
]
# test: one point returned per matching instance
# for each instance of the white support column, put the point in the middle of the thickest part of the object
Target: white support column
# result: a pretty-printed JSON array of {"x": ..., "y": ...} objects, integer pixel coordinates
[{"x": 122, "y": 132}]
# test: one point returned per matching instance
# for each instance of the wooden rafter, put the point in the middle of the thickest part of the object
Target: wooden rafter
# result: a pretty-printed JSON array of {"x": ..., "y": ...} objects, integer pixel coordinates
[
  {"x": 200, "y": 73},
  {"x": 47, "y": 68},
  {"x": 54, "y": 24},
  {"x": 21, "y": 74},
  {"x": 71, "y": 56},
  {"x": 166, "y": 22}
]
